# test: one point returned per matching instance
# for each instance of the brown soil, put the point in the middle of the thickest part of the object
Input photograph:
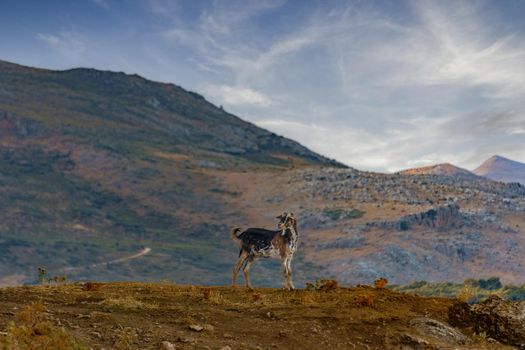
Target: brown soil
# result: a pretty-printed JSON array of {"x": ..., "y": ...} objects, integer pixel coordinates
[{"x": 142, "y": 316}]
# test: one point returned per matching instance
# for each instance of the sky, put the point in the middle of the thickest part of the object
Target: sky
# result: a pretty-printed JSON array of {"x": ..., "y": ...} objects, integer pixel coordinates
[{"x": 377, "y": 85}]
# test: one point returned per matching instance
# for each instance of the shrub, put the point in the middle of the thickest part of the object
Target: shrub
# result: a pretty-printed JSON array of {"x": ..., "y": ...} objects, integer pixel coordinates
[
  {"x": 365, "y": 300},
  {"x": 380, "y": 283}
]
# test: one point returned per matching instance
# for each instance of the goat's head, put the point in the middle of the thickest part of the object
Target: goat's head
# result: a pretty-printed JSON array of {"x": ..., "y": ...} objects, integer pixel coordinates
[{"x": 286, "y": 220}]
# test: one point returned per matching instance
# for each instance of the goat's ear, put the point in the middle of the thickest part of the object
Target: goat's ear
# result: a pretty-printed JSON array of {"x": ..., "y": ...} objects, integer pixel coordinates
[{"x": 279, "y": 217}]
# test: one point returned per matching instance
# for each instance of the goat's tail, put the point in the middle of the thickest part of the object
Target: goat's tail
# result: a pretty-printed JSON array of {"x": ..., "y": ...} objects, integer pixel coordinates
[{"x": 234, "y": 236}]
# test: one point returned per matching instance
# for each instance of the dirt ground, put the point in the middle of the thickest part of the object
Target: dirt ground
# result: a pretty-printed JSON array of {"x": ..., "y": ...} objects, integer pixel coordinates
[{"x": 143, "y": 316}]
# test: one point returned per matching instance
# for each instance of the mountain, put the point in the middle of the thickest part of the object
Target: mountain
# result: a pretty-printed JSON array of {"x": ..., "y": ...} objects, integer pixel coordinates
[
  {"x": 438, "y": 169},
  {"x": 97, "y": 165},
  {"x": 502, "y": 169}
]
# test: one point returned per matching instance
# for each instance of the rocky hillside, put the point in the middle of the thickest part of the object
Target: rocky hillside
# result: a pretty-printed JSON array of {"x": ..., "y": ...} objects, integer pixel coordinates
[
  {"x": 502, "y": 169},
  {"x": 357, "y": 225}
]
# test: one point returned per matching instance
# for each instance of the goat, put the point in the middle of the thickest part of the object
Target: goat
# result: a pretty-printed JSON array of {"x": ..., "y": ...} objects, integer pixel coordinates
[{"x": 259, "y": 242}]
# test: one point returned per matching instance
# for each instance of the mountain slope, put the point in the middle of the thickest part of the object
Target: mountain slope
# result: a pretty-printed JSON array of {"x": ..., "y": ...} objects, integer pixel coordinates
[
  {"x": 502, "y": 169},
  {"x": 89, "y": 104},
  {"x": 438, "y": 169},
  {"x": 96, "y": 165}
]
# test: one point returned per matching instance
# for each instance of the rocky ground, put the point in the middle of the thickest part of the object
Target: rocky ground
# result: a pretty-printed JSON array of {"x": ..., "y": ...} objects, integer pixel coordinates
[{"x": 167, "y": 316}]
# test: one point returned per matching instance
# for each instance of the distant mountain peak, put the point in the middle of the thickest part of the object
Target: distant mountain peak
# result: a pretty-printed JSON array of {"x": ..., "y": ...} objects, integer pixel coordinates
[
  {"x": 436, "y": 169},
  {"x": 497, "y": 158},
  {"x": 499, "y": 168}
]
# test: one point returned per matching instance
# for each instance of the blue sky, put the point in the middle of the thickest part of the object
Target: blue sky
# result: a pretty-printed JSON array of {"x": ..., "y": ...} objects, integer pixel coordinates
[{"x": 379, "y": 85}]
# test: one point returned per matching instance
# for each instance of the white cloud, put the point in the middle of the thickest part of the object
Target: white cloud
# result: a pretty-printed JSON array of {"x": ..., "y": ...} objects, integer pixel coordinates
[
  {"x": 236, "y": 95},
  {"x": 102, "y": 3},
  {"x": 67, "y": 43}
]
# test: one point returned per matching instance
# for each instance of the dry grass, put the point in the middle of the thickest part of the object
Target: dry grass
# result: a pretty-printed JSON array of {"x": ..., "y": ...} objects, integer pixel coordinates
[
  {"x": 466, "y": 293},
  {"x": 306, "y": 298},
  {"x": 127, "y": 303},
  {"x": 212, "y": 296},
  {"x": 125, "y": 339},
  {"x": 32, "y": 331},
  {"x": 92, "y": 287}
]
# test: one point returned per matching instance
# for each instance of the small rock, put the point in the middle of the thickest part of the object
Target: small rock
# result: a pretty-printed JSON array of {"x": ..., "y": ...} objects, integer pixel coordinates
[
  {"x": 227, "y": 347},
  {"x": 228, "y": 335},
  {"x": 413, "y": 342},
  {"x": 208, "y": 327},
  {"x": 185, "y": 340},
  {"x": 166, "y": 345},
  {"x": 97, "y": 334},
  {"x": 196, "y": 328}
]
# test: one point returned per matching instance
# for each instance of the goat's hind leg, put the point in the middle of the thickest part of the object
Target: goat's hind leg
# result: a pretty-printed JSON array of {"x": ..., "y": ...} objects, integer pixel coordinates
[
  {"x": 243, "y": 255},
  {"x": 246, "y": 270}
]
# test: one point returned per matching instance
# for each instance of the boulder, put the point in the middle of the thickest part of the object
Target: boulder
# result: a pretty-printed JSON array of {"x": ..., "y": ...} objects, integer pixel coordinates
[
  {"x": 498, "y": 319},
  {"x": 440, "y": 331}
]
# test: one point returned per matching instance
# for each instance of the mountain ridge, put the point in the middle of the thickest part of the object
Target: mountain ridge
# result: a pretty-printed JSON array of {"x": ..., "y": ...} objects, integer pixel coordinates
[
  {"x": 236, "y": 136},
  {"x": 436, "y": 169}
]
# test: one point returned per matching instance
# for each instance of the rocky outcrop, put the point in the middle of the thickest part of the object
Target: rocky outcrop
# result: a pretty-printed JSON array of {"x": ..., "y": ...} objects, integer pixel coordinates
[
  {"x": 441, "y": 218},
  {"x": 498, "y": 319},
  {"x": 429, "y": 334}
]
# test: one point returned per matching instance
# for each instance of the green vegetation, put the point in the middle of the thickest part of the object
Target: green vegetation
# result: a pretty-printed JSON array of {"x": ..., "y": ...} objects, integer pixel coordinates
[{"x": 471, "y": 291}]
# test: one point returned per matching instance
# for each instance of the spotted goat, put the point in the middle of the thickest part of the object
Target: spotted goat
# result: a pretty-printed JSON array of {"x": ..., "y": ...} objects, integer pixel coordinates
[{"x": 258, "y": 242}]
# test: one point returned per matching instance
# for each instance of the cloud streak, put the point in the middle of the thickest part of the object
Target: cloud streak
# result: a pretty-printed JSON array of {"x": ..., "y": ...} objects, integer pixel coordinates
[{"x": 375, "y": 91}]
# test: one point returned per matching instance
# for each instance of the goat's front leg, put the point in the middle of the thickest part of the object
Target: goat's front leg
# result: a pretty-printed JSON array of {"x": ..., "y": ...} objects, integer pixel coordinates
[
  {"x": 285, "y": 274},
  {"x": 242, "y": 258},
  {"x": 289, "y": 266},
  {"x": 246, "y": 271}
]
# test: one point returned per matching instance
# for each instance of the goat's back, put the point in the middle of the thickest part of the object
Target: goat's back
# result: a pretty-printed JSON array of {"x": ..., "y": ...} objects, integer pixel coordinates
[{"x": 258, "y": 237}]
